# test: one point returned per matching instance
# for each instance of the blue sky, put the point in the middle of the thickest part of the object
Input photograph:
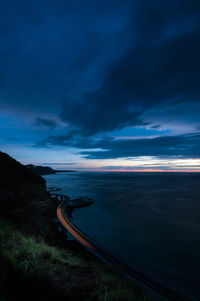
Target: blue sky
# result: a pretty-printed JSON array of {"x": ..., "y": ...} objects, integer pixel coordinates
[{"x": 101, "y": 85}]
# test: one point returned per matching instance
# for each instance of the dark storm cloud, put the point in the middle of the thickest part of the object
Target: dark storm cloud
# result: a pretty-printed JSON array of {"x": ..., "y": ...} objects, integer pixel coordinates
[
  {"x": 162, "y": 68},
  {"x": 49, "y": 123},
  {"x": 100, "y": 66},
  {"x": 185, "y": 146},
  {"x": 50, "y": 49},
  {"x": 68, "y": 139}
]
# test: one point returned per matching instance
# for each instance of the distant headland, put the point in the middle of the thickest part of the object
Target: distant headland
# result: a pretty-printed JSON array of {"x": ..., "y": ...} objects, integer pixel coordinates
[{"x": 45, "y": 170}]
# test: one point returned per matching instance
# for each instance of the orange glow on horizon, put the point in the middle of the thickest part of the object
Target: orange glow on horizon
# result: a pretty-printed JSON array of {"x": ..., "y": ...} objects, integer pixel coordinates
[{"x": 144, "y": 170}]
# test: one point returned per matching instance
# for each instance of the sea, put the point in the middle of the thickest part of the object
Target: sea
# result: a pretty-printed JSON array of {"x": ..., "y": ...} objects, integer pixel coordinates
[{"x": 150, "y": 220}]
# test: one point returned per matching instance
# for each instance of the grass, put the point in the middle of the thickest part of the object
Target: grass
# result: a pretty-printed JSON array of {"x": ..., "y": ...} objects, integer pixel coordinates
[
  {"x": 65, "y": 272},
  {"x": 33, "y": 255},
  {"x": 112, "y": 286}
]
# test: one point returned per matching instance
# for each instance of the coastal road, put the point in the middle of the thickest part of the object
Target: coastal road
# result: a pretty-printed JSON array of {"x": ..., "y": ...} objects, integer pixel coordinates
[{"x": 107, "y": 256}]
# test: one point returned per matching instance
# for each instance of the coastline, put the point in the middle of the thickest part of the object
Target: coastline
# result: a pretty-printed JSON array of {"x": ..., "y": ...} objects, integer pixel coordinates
[
  {"x": 130, "y": 216},
  {"x": 34, "y": 254},
  {"x": 64, "y": 214},
  {"x": 59, "y": 267}
]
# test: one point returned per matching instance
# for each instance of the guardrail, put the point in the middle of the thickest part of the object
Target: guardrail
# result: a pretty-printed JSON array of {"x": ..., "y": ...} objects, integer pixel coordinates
[{"x": 107, "y": 256}]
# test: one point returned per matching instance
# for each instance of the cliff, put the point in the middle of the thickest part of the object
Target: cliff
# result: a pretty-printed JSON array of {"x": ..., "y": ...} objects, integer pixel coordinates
[
  {"x": 23, "y": 196},
  {"x": 18, "y": 185}
]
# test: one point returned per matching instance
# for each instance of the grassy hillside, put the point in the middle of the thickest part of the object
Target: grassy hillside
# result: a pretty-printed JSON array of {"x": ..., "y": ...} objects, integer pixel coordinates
[
  {"x": 33, "y": 270},
  {"x": 37, "y": 262}
]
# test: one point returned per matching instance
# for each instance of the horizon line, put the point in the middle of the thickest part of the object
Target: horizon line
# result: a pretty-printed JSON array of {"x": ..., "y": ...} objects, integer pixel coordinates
[{"x": 139, "y": 171}]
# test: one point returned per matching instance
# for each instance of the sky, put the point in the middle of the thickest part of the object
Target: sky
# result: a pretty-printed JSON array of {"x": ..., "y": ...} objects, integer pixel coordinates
[{"x": 101, "y": 85}]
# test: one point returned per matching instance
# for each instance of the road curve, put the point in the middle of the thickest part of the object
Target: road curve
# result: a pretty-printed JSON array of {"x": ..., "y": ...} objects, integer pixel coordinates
[{"x": 107, "y": 256}]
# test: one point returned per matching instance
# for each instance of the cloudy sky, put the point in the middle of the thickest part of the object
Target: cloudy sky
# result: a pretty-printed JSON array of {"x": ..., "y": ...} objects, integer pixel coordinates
[{"x": 101, "y": 85}]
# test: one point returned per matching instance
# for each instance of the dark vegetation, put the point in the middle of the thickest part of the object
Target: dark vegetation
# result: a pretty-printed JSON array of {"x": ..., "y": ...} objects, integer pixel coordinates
[
  {"x": 38, "y": 262},
  {"x": 18, "y": 186}
]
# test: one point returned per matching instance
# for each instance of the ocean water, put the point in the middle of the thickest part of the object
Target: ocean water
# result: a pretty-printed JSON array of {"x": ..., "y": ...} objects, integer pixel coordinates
[{"x": 152, "y": 220}]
